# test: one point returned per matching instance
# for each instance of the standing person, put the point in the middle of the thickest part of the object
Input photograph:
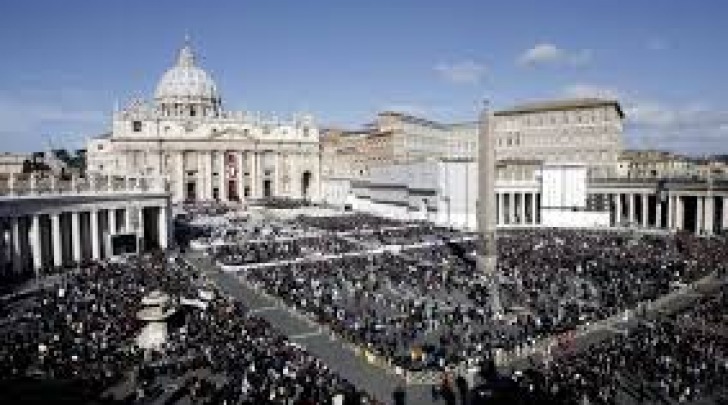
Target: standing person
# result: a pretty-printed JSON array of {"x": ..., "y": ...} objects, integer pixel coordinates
[
  {"x": 446, "y": 389},
  {"x": 462, "y": 385},
  {"x": 399, "y": 395}
]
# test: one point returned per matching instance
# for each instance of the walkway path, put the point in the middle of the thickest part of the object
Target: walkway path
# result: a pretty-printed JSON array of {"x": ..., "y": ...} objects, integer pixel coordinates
[{"x": 334, "y": 353}]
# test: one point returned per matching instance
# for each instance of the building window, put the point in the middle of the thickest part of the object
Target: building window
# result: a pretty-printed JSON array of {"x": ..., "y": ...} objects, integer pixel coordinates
[
  {"x": 136, "y": 126},
  {"x": 305, "y": 131}
]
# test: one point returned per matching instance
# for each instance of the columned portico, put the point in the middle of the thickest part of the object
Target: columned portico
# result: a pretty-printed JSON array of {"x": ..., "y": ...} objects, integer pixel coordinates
[{"x": 69, "y": 223}]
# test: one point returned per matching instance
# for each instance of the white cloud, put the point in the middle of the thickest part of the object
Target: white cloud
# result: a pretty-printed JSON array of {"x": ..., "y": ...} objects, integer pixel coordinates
[
  {"x": 549, "y": 54},
  {"x": 693, "y": 128},
  {"x": 690, "y": 128},
  {"x": 464, "y": 72},
  {"x": 586, "y": 90}
]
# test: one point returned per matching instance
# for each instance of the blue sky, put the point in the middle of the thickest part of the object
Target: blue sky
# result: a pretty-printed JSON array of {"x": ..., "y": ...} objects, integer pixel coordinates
[{"x": 65, "y": 63}]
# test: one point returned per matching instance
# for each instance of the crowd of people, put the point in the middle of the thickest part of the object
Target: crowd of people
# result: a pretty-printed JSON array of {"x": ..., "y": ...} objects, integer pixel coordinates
[
  {"x": 83, "y": 328},
  {"x": 409, "y": 293},
  {"x": 425, "y": 307},
  {"x": 660, "y": 361},
  {"x": 261, "y": 251}
]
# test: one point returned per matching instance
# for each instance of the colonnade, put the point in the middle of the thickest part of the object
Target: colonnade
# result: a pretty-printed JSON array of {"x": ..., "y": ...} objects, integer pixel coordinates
[
  {"x": 56, "y": 238},
  {"x": 48, "y": 222},
  {"x": 238, "y": 175},
  {"x": 698, "y": 211},
  {"x": 518, "y": 208}
]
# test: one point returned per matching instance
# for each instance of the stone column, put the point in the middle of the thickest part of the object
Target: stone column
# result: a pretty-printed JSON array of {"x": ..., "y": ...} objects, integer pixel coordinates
[
  {"x": 501, "y": 209},
  {"x": 94, "y": 224},
  {"x": 671, "y": 211},
  {"x": 645, "y": 210},
  {"x": 709, "y": 215},
  {"x": 631, "y": 208},
  {"x": 200, "y": 188},
  {"x": 512, "y": 209},
  {"x": 112, "y": 221},
  {"x": 618, "y": 209},
  {"x": 222, "y": 176},
  {"x": 277, "y": 174},
  {"x": 162, "y": 231},
  {"x": 207, "y": 159},
  {"x": 533, "y": 208},
  {"x": 294, "y": 176},
  {"x": 179, "y": 173},
  {"x": 658, "y": 212},
  {"x": 56, "y": 237},
  {"x": 241, "y": 175},
  {"x": 35, "y": 243},
  {"x": 679, "y": 213},
  {"x": 254, "y": 175},
  {"x": 699, "y": 214},
  {"x": 76, "y": 236},
  {"x": 140, "y": 222},
  {"x": 522, "y": 209},
  {"x": 725, "y": 214},
  {"x": 17, "y": 254}
]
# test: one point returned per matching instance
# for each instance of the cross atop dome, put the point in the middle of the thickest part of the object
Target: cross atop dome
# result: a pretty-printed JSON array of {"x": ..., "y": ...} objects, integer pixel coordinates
[{"x": 186, "y": 56}]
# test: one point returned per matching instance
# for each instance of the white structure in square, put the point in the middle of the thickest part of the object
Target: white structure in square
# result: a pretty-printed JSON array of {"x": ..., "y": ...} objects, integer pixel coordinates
[
  {"x": 564, "y": 198},
  {"x": 563, "y": 186},
  {"x": 205, "y": 152}
]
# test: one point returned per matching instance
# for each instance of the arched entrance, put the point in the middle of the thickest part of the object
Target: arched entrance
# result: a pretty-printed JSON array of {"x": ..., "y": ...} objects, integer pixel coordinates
[{"x": 305, "y": 184}]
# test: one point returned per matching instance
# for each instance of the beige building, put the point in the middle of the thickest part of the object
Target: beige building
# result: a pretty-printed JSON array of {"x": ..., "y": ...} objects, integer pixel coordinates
[
  {"x": 564, "y": 131},
  {"x": 12, "y": 163},
  {"x": 652, "y": 164}
]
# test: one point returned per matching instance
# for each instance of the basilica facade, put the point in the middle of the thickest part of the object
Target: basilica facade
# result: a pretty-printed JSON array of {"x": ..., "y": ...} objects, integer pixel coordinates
[{"x": 204, "y": 151}]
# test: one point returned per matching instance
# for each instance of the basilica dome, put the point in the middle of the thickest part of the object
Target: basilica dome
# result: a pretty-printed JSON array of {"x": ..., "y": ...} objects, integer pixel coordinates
[{"x": 185, "y": 87}]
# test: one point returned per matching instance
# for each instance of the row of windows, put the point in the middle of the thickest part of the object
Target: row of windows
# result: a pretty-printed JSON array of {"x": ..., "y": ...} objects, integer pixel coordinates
[
  {"x": 137, "y": 126},
  {"x": 586, "y": 116}
]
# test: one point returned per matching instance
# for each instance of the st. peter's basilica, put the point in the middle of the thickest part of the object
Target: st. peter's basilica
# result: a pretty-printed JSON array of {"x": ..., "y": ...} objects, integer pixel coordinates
[{"x": 206, "y": 152}]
